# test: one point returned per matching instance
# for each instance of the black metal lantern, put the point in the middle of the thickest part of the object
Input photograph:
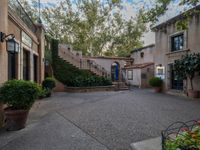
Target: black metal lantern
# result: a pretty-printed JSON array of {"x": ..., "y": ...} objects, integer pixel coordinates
[{"x": 12, "y": 46}]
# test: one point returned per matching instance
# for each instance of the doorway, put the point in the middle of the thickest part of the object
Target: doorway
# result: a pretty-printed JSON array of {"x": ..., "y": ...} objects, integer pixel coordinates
[
  {"x": 26, "y": 65},
  {"x": 12, "y": 66},
  {"x": 115, "y": 69},
  {"x": 35, "y": 68},
  {"x": 176, "y": 83}
]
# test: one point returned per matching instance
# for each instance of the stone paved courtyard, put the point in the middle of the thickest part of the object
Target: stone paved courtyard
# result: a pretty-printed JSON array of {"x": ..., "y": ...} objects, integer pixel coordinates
[{"x": 99, "y": 121}]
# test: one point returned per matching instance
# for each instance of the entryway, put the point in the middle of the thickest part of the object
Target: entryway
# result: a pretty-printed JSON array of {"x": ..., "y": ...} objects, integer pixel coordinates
[
  {"x": 115, "y": 69},
  {"x": 176, "y": 83}
]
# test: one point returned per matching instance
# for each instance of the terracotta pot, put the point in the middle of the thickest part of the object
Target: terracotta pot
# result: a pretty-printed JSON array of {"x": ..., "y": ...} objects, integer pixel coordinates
[
  {"x": 15, "y": 119},
  {"x": 193, "y": 93},
  {"x": 158, "y": 89}
]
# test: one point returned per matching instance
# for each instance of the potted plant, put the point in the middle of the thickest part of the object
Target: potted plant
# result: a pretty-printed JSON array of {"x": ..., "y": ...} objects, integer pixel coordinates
[
  {"x": 48, "y": 84},
  {"x": 156, "y": 83},
  {"x": 186, "y": 68},
  {"x": 19, "y": 96}
]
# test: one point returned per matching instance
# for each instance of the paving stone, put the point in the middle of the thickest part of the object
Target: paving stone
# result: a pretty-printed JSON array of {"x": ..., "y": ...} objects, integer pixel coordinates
[{"x": 151, "y": 144}]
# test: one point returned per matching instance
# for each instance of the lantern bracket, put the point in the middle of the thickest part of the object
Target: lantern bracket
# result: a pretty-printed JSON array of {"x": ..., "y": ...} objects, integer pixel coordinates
[{"x": 4, "y": 37}]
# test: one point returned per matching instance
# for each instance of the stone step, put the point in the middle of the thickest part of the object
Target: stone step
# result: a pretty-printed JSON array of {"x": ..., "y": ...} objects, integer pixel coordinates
[{"x": 151, "y": 144}]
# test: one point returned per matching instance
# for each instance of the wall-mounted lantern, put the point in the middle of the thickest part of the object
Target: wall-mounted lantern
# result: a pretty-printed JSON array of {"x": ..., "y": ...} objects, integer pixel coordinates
[{"x": 12, "y": 45}]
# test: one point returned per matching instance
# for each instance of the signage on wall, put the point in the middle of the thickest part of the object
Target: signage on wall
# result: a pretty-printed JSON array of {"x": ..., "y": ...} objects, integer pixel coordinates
[
  {"x": 160, "y": 72},
  {"x": 26, "y": 39}
]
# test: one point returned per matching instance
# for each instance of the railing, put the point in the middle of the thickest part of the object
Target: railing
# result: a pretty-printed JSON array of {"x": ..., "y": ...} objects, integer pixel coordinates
[
  {"x": 81, "y": 63},
  {"x": 16, "y": 8}
]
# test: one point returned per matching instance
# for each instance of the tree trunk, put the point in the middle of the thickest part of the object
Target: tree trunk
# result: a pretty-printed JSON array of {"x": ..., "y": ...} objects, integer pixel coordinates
[{"x": 191, "y": 83}]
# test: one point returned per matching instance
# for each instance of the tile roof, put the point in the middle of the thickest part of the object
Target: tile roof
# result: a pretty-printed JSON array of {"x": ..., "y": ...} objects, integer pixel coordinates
[{"x": 139, "y": 66}]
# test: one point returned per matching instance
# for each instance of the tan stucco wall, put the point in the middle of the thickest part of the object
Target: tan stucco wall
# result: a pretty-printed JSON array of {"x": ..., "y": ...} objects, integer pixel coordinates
[
  {"x": 136, "y": 81},
  {"x": 148, "y": 55},
  {"x": 138, "y": 76},
  {"x": 149, "y": 73},
  {"x": 107, "y": 63},
  {"x": 163, "y": 54}
]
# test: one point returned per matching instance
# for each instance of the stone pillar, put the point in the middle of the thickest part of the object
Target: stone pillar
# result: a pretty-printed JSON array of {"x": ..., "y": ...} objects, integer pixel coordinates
[
  {"x": 3, "y": 52},
  {"x": 41, "y": 50}
]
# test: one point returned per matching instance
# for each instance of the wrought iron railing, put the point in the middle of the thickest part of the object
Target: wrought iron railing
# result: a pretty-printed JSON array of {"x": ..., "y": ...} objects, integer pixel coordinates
[
  {"x": 16, "y": 8},
  {"x": 182, "y": 136}
]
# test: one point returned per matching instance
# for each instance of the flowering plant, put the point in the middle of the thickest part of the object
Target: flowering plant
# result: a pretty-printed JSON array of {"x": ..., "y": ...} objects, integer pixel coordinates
[{"x": 188, "y": 138}]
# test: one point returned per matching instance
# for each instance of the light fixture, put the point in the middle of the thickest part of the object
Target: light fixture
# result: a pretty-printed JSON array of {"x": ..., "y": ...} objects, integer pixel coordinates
[{"x": 12, "y": 45}]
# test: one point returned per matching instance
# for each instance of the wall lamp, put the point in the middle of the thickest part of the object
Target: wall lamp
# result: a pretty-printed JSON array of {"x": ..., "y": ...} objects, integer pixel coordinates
[
  {"x": 12, "y": 45},
  {"x": 4, "y": 37}
]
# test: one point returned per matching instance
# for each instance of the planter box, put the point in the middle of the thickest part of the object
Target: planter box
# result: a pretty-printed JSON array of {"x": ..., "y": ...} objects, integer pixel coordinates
[{"x": 89, "y": 89}]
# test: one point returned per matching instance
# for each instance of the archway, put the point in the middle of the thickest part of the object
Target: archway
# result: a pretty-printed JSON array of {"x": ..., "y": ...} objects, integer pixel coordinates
[{"x": 115, "y": 70}]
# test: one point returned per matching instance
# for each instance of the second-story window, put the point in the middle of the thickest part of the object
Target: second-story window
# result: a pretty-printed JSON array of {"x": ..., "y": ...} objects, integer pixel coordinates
[{"x": 177, "y": 42}]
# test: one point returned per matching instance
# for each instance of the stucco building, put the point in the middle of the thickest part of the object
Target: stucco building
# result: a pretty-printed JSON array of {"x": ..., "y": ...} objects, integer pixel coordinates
[
  {"x": 113, "y": 65},
  {"x": 141, "y": 69},
  {"x": 26, "y": 61},
  {"x": 170, "y": 45}
]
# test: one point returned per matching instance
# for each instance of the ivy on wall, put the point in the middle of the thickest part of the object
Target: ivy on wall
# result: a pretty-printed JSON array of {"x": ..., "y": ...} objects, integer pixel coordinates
[{"x": 72, "y": 76}]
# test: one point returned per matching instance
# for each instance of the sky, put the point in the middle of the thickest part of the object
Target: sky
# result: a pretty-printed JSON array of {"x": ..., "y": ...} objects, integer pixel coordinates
[{"x": 130, "y": 10}]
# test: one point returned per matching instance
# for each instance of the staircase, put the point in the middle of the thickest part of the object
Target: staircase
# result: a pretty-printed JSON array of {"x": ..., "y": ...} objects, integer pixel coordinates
[{"x": 75, "y": 58}]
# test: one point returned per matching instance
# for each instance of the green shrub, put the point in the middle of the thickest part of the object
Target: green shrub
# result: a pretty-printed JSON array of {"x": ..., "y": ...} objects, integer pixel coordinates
[
  {"x": 49, "y": 83},
  {"x": 155, "y": 82},
  {"x": 72, "y": 76},
  {"x": 19, "y": 94},
  {"x": 88, "y": 81}
]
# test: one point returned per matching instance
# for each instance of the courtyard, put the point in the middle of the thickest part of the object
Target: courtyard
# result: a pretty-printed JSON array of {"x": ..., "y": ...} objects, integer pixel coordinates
[{"x": 99, "y": 120}]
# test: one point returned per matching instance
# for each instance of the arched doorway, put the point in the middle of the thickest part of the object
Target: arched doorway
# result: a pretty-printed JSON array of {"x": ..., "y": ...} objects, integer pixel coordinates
[{"x": 115, "y": 70}]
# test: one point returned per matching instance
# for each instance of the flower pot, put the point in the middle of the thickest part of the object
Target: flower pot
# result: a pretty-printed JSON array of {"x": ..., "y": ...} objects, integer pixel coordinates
[
  {"x": 158, "y": 89},
  {"x": 15, "y": 119},
  {"x": 193, "y": 93}
]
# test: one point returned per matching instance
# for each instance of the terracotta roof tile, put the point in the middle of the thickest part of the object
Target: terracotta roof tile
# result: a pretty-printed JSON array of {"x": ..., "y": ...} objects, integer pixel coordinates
[{"x": 139, "y": 66}]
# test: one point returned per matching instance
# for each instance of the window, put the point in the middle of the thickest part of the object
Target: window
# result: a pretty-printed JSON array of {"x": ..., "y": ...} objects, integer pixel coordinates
[
  {"x": 142, "y": 54},
  {"x": 130, "y": 75},
  {"x": 177, "y": 42},
  {"x": 160, "y": 72}
]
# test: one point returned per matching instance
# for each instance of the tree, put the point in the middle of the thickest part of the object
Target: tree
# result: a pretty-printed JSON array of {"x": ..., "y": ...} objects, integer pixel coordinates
[
  {"x": 94, "y": 27},
  {"x": 161, "y": 6},
  {"x": 187, "y": 67},
  {"x": 31, "y": 10}
]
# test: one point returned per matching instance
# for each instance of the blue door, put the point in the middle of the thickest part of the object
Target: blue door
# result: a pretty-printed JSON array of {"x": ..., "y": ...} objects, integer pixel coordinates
[{"x": 117, "y": 72}]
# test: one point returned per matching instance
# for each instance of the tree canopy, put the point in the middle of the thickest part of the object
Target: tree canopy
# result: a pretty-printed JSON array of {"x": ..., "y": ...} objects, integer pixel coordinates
[
  {"x": 161, "y": 6},
  {"x": 94, "y": 27},
  {"x": 98, "y": 27}
]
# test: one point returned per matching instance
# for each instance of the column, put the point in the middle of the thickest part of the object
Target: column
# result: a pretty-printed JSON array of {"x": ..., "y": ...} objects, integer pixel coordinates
[
  {"x": 3, "y": 52},
  {"x": 41, "y": 50}
]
